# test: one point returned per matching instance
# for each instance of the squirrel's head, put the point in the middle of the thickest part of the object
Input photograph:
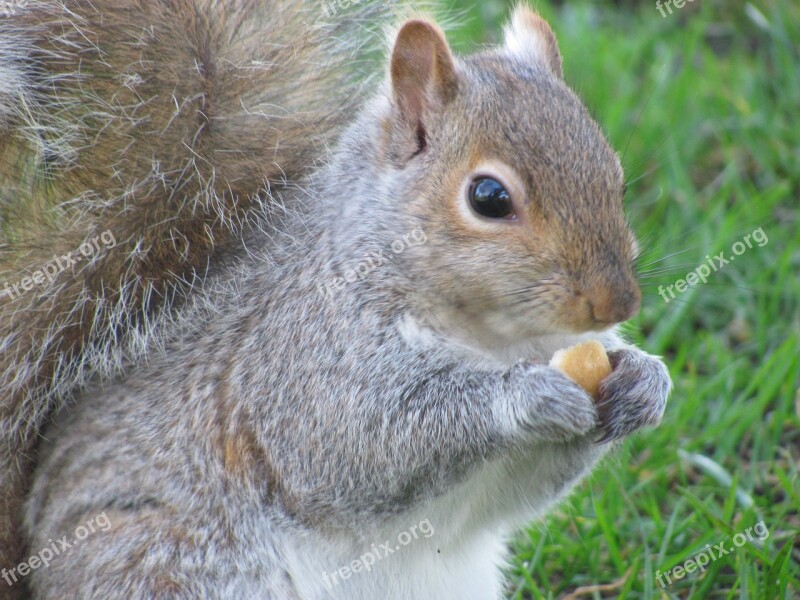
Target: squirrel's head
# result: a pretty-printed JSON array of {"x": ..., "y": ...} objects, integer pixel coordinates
[{"x": 512, "y": 182}]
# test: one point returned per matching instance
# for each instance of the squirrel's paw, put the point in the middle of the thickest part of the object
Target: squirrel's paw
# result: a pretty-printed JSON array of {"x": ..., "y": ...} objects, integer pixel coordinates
[
  {"x": 554, "y": 407},
  {"x": 634, "y": 395}
]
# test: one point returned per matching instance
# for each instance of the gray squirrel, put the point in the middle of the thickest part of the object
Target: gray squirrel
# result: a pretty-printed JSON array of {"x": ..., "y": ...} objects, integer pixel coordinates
[{"x": 373, "y": 356}]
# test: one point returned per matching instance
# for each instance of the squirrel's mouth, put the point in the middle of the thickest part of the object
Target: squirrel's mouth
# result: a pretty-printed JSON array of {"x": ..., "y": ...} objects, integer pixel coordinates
[{"x": 600, "y": 307}]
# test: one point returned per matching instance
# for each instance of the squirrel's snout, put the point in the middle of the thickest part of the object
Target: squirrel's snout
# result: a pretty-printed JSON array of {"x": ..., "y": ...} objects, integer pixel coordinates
[
  {"x": 602, "y": 305},
  {"x": 614, "y": 304}
]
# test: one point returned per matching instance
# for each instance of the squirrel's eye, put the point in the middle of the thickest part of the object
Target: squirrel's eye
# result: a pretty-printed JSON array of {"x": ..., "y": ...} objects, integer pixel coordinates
[{"x": 490, "y": 199}]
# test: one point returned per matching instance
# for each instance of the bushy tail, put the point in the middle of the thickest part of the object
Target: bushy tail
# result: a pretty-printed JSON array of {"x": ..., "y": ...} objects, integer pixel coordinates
[{"x": 136, "y": 137}]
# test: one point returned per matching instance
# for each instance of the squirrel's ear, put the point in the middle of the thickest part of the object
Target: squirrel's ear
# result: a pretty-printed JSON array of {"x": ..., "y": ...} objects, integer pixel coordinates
[
  {"x": 529, "y": 37},
  {"x": 423, "y": 76}
]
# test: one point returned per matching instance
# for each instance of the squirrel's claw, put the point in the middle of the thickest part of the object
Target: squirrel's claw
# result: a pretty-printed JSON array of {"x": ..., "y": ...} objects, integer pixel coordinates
[{"x": 634, "y": 395}]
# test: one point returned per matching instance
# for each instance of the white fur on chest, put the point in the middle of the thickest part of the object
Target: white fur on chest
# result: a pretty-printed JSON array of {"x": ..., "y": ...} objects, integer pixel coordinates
[{"x": 460, "y": 559}]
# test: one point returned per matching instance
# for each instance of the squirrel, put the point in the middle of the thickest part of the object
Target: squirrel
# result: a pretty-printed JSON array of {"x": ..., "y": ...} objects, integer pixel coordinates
[{"x": 292, "y": 353}]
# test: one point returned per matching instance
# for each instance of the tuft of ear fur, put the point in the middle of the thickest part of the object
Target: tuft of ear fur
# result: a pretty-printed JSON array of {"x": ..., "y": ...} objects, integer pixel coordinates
[
  {"x": 424, "y": 77},
  {"x": 529, "y": 37}
]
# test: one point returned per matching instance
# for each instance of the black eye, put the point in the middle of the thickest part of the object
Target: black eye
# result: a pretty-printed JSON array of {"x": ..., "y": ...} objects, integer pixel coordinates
[{"x": 490, "y": 199}]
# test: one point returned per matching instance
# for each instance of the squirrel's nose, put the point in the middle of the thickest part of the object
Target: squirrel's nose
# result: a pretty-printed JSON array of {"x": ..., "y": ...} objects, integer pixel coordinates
[{"x": 610, "y": 305}]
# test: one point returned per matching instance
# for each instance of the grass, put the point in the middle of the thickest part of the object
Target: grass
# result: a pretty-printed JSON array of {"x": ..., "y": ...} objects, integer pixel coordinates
[{"x": 705, "y": 104}]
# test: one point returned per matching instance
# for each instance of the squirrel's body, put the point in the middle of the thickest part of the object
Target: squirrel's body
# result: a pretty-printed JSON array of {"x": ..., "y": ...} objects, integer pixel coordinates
[
  {"x": 375, "y": 360},
  {"x": 234, "y": 448}
]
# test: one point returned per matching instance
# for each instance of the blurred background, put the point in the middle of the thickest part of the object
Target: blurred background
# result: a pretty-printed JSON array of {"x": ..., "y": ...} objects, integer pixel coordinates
[{"x": 703, "y": 104}]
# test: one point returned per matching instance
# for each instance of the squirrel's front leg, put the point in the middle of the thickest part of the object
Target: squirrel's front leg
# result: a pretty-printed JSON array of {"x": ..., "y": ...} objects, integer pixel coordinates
[
  {"x": 635, "y": 394},
  {"x": 538, "y": 404},
  {"x": 449, "y": 423}
]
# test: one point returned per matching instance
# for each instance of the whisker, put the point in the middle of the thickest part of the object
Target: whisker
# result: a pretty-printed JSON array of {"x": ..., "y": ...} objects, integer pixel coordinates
[
  {"x": 668, "y": 256},
  {"x": 534, "y": 289}
]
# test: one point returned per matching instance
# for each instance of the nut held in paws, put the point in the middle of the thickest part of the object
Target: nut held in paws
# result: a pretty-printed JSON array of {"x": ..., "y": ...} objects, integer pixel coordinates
[{"x": 586, "y": 364}]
